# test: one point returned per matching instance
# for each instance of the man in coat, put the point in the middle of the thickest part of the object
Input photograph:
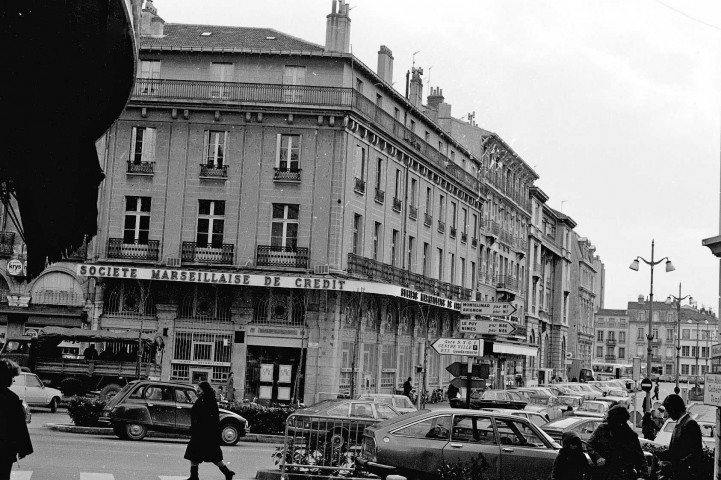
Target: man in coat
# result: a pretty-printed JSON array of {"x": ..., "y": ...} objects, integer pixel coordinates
[
  {"x": 14, "y": 437},
  {"x": 685, "y": 452},
  {"x": 407, "y": 387},
  {"x": 615, "y": 448}
]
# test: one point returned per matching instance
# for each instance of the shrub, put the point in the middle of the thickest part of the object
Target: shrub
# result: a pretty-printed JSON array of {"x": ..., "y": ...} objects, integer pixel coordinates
[
  {"x": 663, "y": 472},
  {"x": 470, "y": 470},
  {"x": 85, "y": 412},
  {"x": 269, "y": 420}
]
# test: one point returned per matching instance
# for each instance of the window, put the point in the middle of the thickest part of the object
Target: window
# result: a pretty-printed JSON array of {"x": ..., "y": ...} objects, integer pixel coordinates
[
  {"x": 437, "y": 428},
  {"x": 686, "y": 334},
  {"x": 441, "y": 207},
  {"x": 395, "y": 246},
  {"x": 397, "y": 191},
  {"x": 379, "y": 100},
  {"x": 440, "y": 264},
  {"x": 640, "y": 333},
  {"x": 284, "y": 228},
  {"x": 453, "y": 214},
  {"x": 684, "y": 369},
  {"x": 611, "y": 335},
  {"x": 413, "y": 126},
  {"x": 288, "y": 156},
  {"x": 411, "y": 254},
  {"x": 215, "y": 150},
  {"x": 473, "y": 429},
  {"x": 211, "y": 221},
  {"x": 357, "y": 233},
  {"x": 704, "y": 352},
  {"x": 464, "y": 220},
  {"x": 655, "y": 333},
  {"x": 516, "y": 432},
  {"x": 599, "y": 352},
  {"x": 142, "y": 145},
  {"x": 621, "y": 352},
  {"x": 379, "y": 174},
  {"x": 137, "y": 220},
  {"x": 463, "y": 272},
  {"x": 599, "y": 336},
  {"x": 360, "y": 158},
  {"x": 694, "y": 351},
  {"x": 377, "y": 237},
  {"x": 428, "y": 136},
  {"x": 475, "y": 225},
  {"x": 359, "y": 85},
  {"x": 685, "y": 351},
  {"x": 473, "y": 277},
  {"x": 453, "y": 268},
  {"x": 396, "y": 113},
  {"x": 220, "y": 72},
  {"x": 621, "y": 337},
  {"x": 149, "y": 72},
  {"x": 429, "y": 199},
  {"x": 414, "y": 187},
  {"x": 426, "y": 258},
  {"x": 669, "y": 334}
]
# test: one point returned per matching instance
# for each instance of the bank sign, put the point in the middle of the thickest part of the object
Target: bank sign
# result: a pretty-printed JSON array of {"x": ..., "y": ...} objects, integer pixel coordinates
[{"x": 254, "y": 280}]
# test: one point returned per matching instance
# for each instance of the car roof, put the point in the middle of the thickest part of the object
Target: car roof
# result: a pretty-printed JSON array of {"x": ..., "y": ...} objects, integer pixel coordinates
[
  {"x": 328, "y": 404},
  {"x": 566, "y": 422}
]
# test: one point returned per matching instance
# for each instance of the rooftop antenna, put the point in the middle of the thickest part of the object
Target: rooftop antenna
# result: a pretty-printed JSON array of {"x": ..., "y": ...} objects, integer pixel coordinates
[
  {"x": 472, "y": 118},
  {"x": 414, "y": 58}
]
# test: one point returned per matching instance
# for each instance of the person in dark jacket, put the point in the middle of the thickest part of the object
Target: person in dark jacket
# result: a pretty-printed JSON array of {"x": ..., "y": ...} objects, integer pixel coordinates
[
  {"x": 204, "y": 444},
  {"x": 407, "y": 387},
  {"x": 649, "y": 426},
  {"x": 615, "y": 448},
  {"x": 14, "y": 436},
  {"x": 571, "y": 463},
  {"x": 685, "y": 452},
  {"x": 452, "y": 392}
]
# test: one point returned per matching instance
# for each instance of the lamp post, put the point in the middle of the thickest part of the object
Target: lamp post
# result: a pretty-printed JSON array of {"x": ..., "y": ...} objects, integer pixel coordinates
[
  {"x": 649, "y": 337},
  {"x": 671, "y": 299}
]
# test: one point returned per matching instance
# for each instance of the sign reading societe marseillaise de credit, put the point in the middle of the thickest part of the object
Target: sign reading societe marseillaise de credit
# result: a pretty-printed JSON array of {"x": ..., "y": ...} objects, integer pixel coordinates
[{"x": 253, "y": 280}]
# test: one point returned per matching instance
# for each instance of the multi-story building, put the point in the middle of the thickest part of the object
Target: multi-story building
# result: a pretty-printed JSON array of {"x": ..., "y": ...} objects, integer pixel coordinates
[
  {"x": 613, "y": 344},
  {"x": 583, "y": 302}
]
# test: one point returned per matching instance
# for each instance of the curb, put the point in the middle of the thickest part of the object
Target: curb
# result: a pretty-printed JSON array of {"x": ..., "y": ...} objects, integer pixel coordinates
[{"x": 68, "y": 428}]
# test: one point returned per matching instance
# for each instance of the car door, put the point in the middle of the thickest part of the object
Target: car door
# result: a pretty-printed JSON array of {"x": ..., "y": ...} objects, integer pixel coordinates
[
  {"x": 418, "y": 447},
  {"x": 471, "y": 436},
  {"x": 35, "y": 391},
  {"x": 161, "y": 405},
  {"x": 18, "y": 386},
  {"x": 525, "y": 455},
  {"x": 184, "y": 399}
]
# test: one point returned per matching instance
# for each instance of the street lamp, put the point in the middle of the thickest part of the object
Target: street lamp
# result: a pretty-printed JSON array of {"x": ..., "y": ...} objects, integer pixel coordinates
[
  {"x": 670, "y": 300},
  {"x": 669, "y": 268}
]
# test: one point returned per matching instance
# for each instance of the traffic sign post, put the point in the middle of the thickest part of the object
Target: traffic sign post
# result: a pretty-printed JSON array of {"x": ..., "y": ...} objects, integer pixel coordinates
[
  {"x": 487, "y": 327},
  {"x": 458, "y": 346},
  {"x": 493, "y": 309},
  {"x": 646, "y": 384}
]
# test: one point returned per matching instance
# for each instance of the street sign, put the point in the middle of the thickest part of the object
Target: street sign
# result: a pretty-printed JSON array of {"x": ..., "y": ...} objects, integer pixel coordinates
[
  {"x": 646, "y": 384},
  {"x": 487, "y": 327},
  {"x": 458, "y": 346},
  {"x": 493, "y": 309},
  {"x": 460, "y": 369},
  {"x": 716, "y": 350},
  {"x": 712, "y": 390}
]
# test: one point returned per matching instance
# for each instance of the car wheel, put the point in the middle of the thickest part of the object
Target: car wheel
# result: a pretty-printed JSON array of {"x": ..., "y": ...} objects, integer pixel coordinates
[
  {"x": 119, "y": 431},
  {"x": 53, "y": 405},
  {"x": 229, "y": 434},
  {"x": 135, "y": 431},
  {"x": 337, "y": 438},
  {"x": 109, "y": 391}
]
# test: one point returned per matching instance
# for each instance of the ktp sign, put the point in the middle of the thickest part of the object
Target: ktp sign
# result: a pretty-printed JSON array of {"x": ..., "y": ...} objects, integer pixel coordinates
[{"x": 458, "y": 346}]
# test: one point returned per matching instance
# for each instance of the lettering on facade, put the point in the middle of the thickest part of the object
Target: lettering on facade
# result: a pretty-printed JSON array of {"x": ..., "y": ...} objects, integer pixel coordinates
[{"x": 278, "y": 331}]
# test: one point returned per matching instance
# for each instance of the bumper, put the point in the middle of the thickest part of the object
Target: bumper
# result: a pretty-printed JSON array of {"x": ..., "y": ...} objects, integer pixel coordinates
[{"x": 375, "y": 467}]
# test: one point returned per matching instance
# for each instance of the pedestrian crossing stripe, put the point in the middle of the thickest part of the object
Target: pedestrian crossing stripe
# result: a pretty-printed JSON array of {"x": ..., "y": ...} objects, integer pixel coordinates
[
  {"x": 27, "y": 475},
  {"x": 17, "y": 475},
  {"x": 96, "y": 476}
]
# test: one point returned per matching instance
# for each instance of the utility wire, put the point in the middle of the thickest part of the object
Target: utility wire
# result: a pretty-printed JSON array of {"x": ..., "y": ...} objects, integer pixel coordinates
[{"x": 687, "y": 15}]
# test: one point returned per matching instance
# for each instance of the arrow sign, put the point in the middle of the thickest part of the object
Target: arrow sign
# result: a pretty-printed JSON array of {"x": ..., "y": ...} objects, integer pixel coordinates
[
  {"x": 460, "y": 369},
  {"x": 457, "y": 346},
  {"x": 487, "y": 327},
  {"x": 493, "y": 309}
]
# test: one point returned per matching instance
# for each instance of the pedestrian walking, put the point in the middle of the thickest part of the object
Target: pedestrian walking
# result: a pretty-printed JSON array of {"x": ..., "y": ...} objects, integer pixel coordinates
[
  {"x": 655, "y": 391},
  {"x": 14, "y": 436},
  {"x": 407, "y": 387},
  {"x": 649, "y": 427},
  {"x": 615, "y": 448},
  {"x": 229, "y": 388},
  {"x": 204, "y": 444},
  {"x": 570, "y": 463},
  {"x": 685, "y": 451},
  {"x": 452, "y": 392}
]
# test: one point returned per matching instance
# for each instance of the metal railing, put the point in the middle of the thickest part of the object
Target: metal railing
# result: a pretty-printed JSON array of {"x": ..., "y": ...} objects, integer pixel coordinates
[
  {"x": 288, "y": 175},
  {"x": 7, "y": 240},
  {"x": 397, "y": 204},
  {"x": 506, "y": 282},
  {"x": 412, "y": 212},
  {"x": 611, "y": 342},
  {"x": 492, "y": 228},
  {"x": 427, "y": 219},
  {"x": 58, "y": 297},
  {"x": 474, "y": 242},
  {"x": 145, "y": 168},
  {"x": 441, "y": 226},
  {"x": 464, "y": 237},
  {"x": 192, "y": 253},
  {"x": 453, "y": 232},
  {"x": 289, "y": 257},
  {"x": 380, "y": 195},
  {"x": 360, "y": 185},
  {"x": 213, "y": 171},
  {"x": 117, "y": 248}
]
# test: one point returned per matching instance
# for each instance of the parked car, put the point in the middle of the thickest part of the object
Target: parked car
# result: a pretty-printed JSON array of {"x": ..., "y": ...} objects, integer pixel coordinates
[
  {"x": 399, "y": 402},
  {"x": 708, "y": 427},
  {"x": 492, "y": 399},
  {"x": 601, "y": 385},
  {"x": 337, "y": 421},
  {"x": 145, "y": 405},
  {"x": 30, "y": 389},
  {"x": 536, "y": 391},
  {"x": 417, "y": 445},
  {"x": 621, "y": 397},
  {"x": 569, "y": 403},
  {"x": 537, "y": 418},
  {"x": 586, "y": 391},
  {"x": 548, "y": 406},
  {"x": 592, "y": 408},
  {"x": 583, "y": 426},
  {"x": 28, "y": 414}
]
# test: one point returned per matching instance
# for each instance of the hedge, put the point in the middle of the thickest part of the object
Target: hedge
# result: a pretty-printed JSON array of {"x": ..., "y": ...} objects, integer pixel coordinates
[
  {"x": 269, "y": 420},
  {"x": 85, "y": 412}
]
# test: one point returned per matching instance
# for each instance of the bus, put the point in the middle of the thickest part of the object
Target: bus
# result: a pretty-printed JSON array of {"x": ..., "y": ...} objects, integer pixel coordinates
[{"x": 610, "y": 371}]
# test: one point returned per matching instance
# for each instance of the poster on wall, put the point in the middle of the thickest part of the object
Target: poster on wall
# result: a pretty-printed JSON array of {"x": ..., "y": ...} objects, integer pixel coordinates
[
  {"x": 265, "y": 392},
  {"x": 284, "y": 373},
  {"x": 283, "y": 393},
  {"x": 266, "y": 373}
]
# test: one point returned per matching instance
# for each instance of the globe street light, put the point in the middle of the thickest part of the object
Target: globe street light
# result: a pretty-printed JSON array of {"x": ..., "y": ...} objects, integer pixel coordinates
[
  {"x": 669, "y": 268},
  {"x": 677, "y": 300}
]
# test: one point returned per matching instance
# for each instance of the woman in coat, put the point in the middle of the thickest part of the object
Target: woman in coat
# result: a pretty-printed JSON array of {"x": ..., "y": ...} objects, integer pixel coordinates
[
  {"x": 204, "y": 445},
  {"x": 14, "y": 437},
  {"x": 571, "y": 463},
  {"x": 615, "y": 448}
]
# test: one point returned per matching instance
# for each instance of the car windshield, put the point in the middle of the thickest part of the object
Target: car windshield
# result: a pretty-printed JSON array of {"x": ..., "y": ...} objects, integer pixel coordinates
[
  {"x": 618, "y": 393},
  {"x": 563, "y": 423},
  {"x": 592, "y": 407},
  {"x": 515, "y": 396},
  {"x": 539, "y": 400},
  {"x": 568, "y": 400},
  {"x": 403, "y": 402},
  {"x": 14, "y": 346}
]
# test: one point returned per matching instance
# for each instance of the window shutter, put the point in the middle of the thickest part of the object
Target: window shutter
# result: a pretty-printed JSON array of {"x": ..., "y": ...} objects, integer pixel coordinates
[
  {"x": 206, "y": 146},
  {"x": 149, "y": 145},
  {"x": 277, "y": 150},
  {"x": 133, "y": 138},
  {"x": 225, "y": 148}
]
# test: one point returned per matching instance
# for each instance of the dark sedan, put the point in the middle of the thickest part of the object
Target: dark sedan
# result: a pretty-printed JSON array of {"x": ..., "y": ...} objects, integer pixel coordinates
[
  {"x": 418, "y": 445},
  {"x": 492, "y": 399}
]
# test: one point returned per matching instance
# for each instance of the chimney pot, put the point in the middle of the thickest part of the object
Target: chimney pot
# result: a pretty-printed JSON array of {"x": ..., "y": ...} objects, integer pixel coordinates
[
  {"x": 337, "y": 31},
  {"x": 385, "y": 64}
]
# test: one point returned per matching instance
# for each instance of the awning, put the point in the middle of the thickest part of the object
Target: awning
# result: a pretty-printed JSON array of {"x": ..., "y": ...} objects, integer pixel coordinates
[{"x": 514, "y": 349}]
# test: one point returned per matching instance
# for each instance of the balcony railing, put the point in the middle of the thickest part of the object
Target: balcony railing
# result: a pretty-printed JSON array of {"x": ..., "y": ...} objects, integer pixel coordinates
[
  {"x": 506, "y": 282},
  {"x": 397, "y": 204},
  {"x": 610, "y": 358},
  {"x": 610, "y": 342},
  {"x": 117, "y": 248},
  {"x": 441, "y": 226},
  {"x": 191, "y": 252},
  {"x": 7, "y": 240},
  {"x": 380, "y": 195},
  {"x": 213, "y": 171},
  {"x": 375, "y": 270},
  {"x": 427, "y": 219},
  {"x": 492, "y": 228},
  {"x": 287, "y": 175},
  {"x": 257, "y": 93},
  {"x": 506, "y": 237},
  {"x": 142, "y": 168},
  {"x": 288, "y": 257},
  {"x": 360, "y": 185},
  {"x": 474, "y": 242},
  {"x": 521, "y": 245},
  {"x": 453, "y": 232},
  {"x": 412, "y": 212},
  {"x": 464, "y": 237}
]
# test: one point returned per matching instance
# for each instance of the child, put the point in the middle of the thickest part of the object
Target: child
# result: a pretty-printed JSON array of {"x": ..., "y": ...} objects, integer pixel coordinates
[{"x": 571, "y": 463}]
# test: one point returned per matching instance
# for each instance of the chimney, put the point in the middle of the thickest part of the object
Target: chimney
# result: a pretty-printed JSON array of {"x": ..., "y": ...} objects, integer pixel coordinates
[
  {"x": 415, "y": 91},
  {"x": 435, "y": 98},
  {"x": 385, "y": 64},
  {"x": 641, "y": 299},
  {"x": 337, "y": 30},
  {"x": 151, "y": 25}
]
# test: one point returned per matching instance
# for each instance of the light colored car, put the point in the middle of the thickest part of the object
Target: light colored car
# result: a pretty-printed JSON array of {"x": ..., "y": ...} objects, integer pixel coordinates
[
  {"x": 592, "y": 408},
  {"x": 399, "y": 402},
  {"x": 547, "y": 406},
  {"x": 537, "y": 418},
  {"x": 663, "y": 438},
  {"x": 30, "y": 389}
]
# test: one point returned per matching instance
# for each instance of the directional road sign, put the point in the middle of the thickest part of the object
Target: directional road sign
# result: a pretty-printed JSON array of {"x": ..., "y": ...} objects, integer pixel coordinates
[
  {"x": 460, "y": 369},
  {"x": 487, "y": 327},
  {"x": 493, "y": 309},
  {"x": 457, "y": 346}
]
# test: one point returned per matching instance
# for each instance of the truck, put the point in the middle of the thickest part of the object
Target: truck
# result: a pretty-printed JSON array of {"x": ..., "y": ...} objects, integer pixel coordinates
[
  {"x": 127, "y": 356},
  {"x": 577, "y": 371}
]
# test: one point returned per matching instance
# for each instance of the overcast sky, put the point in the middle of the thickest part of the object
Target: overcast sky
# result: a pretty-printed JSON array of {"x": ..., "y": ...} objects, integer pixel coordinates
[{"x": 615, "y": 104}]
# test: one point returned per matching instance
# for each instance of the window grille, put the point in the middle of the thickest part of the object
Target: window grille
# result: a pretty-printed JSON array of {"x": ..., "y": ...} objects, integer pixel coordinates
[{"x": 280, "y": 307}]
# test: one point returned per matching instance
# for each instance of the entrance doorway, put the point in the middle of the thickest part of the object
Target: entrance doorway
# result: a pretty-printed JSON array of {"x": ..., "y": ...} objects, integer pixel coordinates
[
  {"x": 199, "y": 375},
  {"x": 272, "y": 372}
]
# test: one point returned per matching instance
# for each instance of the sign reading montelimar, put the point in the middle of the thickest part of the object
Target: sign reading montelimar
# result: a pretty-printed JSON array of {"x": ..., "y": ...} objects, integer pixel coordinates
[
  {"x": 487, "y": 327},
  {"x": 712, "y": 390},
  {"x": 457, "y": 346},
  {"x": 493, "y": 309}
]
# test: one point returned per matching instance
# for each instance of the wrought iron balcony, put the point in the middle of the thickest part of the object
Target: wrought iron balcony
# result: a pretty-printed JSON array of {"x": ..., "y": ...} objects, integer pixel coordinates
[
  {"x": 492, "y": 229},
  {"x": 441, "y": 227},
  {"x": 117, "y": 248},
  {"x": 191, "y": 252},
  {"x": 287, "y": 257},
  {"x": 610, "y": 358},
  {"x": 397, "y": 204},
  {"x": 508, "y": 283},
  {"x": 380, "y": 195},
  {"x": 464, "y": 237},
  {"x": 611, "y": 342},
  {"x": 474, "y": 242},
  {"x": 7, "y": 240},
  {"x": 453, "y": 232},
  {"x": 412, "y": 212},
  {"x": 141, "y": 168},
  {"x": 507, "y": 238},
  {"x": 286, "y": 175},
  {"x": 212, "y": 171},
  {"x": 427, "y": 219},
  {"x": 360, "y": 185},
  {"x": 521, "y": 245}
]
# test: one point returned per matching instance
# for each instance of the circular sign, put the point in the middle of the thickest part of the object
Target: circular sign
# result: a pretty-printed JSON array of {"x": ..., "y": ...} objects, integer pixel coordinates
[
  {"x": 646, "y": 384},
  {"x": 569, "y": 355},
  {"x": 15, "y": 267}
]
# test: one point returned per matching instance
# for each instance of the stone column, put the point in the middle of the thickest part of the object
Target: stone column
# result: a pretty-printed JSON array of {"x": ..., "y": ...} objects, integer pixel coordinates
[
  {"x": 166, "y": 314},
  {"x": 241, "y": 314}
]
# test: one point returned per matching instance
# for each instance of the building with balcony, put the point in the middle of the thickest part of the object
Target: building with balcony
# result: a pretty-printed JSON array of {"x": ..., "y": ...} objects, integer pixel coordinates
[{"x": 611, "y": 338}]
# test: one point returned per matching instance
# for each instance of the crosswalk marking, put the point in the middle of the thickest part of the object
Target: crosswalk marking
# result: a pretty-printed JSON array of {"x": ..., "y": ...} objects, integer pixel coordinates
[
  {"x": 172, "y": 477},
  {"x": 96, "y": 476},
  {"x": 27, "y": 475},
  {"x": 20, "y": 475}
]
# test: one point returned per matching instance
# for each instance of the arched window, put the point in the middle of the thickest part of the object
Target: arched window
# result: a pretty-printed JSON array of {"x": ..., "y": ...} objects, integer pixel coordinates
[
  {"x": 281, "y": 306},
  {"x": 128, "y": 298}
]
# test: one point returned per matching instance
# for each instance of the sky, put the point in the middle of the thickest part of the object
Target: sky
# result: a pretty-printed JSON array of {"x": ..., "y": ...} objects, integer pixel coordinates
[{"x": 616, "y": 104}]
